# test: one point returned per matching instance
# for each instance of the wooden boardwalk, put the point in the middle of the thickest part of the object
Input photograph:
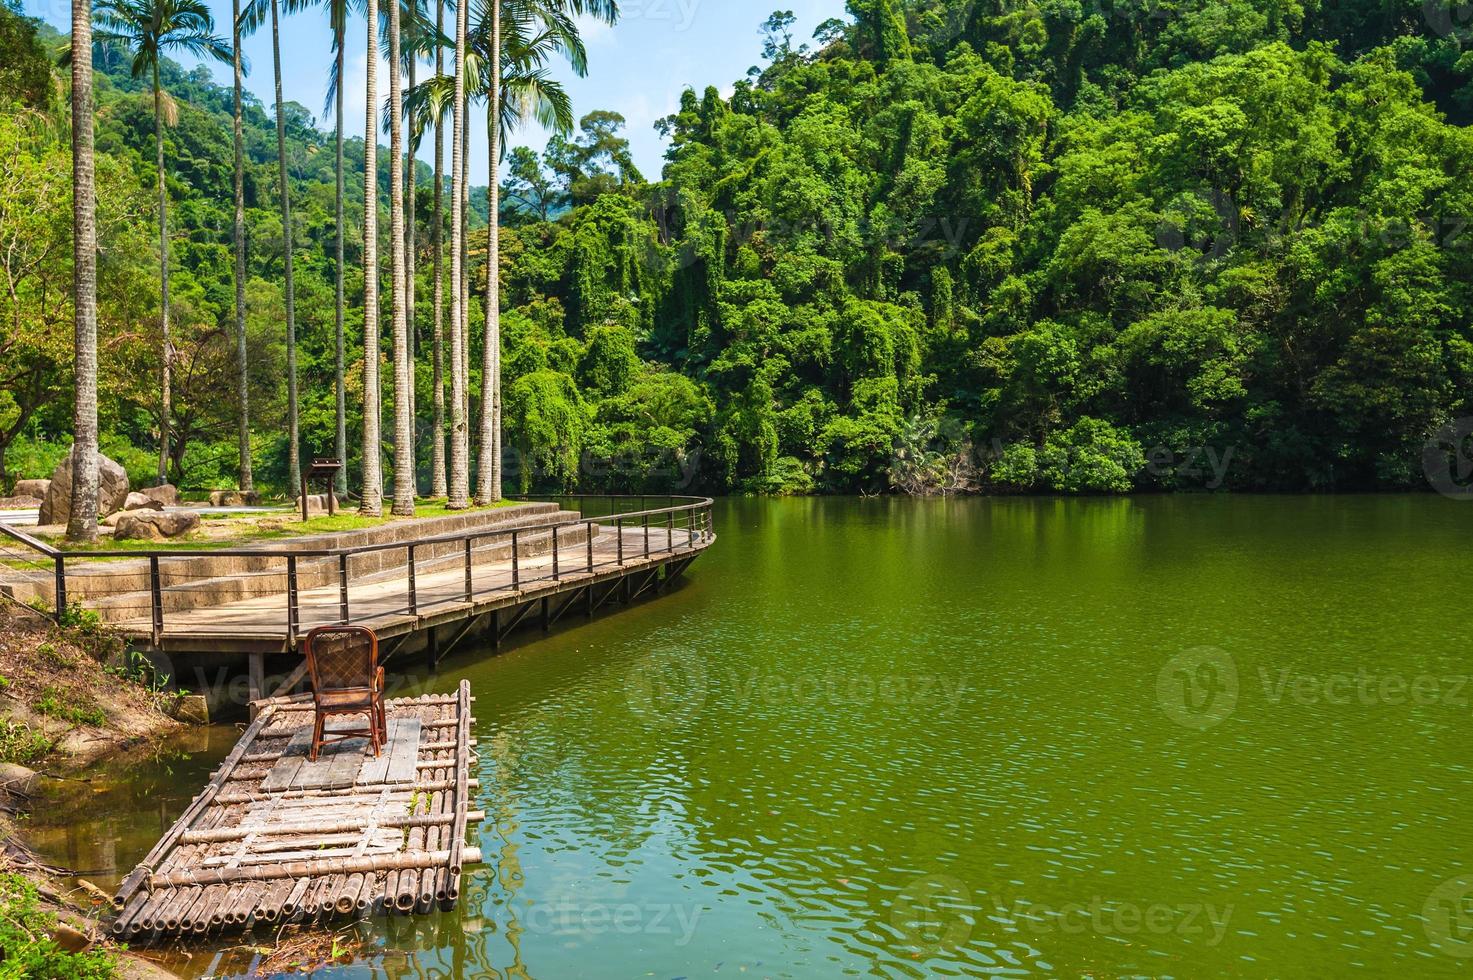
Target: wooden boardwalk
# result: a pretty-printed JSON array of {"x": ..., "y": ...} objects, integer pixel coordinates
[
  {"x": 275, "y": 838},
  {"x": 382, "y": 602}
]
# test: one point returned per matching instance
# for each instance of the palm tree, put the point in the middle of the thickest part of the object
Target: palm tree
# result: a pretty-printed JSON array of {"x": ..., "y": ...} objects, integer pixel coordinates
[
  {"x": 459, "y": 497},
  {"x": 439, "y": 486},
  {"x": 148, "y": 28},
  {"x": 337, "y": 15},
  {"x": 373, "y": 478},
  {"x": 82, "y": 524},
  {"x": 515, "y": 85},
  {"x": 247, "y": 481},
  {"x": 403, "y": 441},
  {"x": 253, "y": 18}
]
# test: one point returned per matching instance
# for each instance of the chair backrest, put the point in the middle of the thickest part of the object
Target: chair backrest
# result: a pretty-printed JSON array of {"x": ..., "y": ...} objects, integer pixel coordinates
[{"x": 341, "y": 657}]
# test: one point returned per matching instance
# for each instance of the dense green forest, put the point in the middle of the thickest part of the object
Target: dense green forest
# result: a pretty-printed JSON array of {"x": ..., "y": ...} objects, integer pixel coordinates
[{"x": 1014, "y": 246}]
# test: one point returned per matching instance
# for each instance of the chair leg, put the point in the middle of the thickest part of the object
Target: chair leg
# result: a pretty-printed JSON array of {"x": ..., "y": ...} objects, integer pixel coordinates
[
  {"x": 373, "y": 733},
  {"x": 316, "y": 738}
]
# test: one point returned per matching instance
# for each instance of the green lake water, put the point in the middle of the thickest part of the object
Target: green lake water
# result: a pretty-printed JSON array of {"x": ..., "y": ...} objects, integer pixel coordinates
[{"x": 1170, "y": 736}]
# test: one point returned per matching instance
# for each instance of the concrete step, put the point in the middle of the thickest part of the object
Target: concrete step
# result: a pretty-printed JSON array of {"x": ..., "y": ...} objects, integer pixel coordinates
[{"x": 268, "y": 586}]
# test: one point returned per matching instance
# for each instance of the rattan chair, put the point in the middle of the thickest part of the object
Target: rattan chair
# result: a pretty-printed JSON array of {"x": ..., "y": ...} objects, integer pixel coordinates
[{"x": 346, "y": 680}]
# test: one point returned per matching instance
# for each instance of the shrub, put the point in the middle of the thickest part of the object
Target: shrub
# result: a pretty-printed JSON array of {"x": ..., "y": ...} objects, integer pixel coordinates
[
  {"x": 25, "y": 948},
  {"x": 1092, "y": 456}
]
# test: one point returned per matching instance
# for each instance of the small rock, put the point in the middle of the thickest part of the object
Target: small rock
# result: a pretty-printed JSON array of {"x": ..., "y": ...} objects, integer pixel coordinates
[
  {"x": 316, "y": 504},
  {"x": 141, "y": 501},
  {"x": 17, "y": 780},
  {"x": 112, "y": 482},
  {"x": 192, "y": 709},
  {"x": 234, "y": 498},
  {"x": 167, "y": 494},
  {"x": 70, "y": 939},
  {"x": 155, "y": 525},
  {"x": 32, "y": 488}
]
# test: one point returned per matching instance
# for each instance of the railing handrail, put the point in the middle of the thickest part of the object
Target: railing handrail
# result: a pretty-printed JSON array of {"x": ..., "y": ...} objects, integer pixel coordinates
[
  {"x": 695, "y": 503},
  {"x": 28, "y": 541}
]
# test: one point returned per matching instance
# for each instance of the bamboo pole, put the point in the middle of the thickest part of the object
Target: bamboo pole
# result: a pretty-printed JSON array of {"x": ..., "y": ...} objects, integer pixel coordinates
[
  {"x": 144, "y": 870},
  {"x": 294, "y": 898},
  {"x": 228, "y": 834},
  {"x": 295, "y": 869}
]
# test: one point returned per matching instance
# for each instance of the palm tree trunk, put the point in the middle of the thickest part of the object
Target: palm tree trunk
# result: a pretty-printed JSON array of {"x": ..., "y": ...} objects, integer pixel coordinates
[
  {"x": 166, "y": 370},
  {"x": 340, "y": 364},
  {"x": 403, "y": 443},
  {"x": 411, "y": 260},
  {"x": 459, "y": 447},
  {"x": 246, "y": 480},
  {"x": 82, "y": 525},
  {"x": 488, "y": 489},
  {"x": 439, "y": 486},
  {"x": 294, "y": 463},
  {"x": 465, "y": 280},
  {"x": 373, "y": 478}
]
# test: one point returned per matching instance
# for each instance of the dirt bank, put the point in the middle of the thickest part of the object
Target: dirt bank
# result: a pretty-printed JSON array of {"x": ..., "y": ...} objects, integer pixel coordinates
[{"x": 68, "y": 697}]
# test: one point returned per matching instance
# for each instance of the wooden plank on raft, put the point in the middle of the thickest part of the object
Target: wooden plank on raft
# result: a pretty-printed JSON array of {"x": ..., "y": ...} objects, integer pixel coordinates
[{"x": 315, "y": 840}]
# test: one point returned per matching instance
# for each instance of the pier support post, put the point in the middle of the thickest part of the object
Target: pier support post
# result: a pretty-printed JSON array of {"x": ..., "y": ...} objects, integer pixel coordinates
[
  {"x": 256, "y": 669},
  {"x": 432, "y": 649}
]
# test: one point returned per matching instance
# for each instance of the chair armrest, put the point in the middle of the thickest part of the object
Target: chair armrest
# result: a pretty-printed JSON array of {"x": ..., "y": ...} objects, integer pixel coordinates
[{"x": 378, "y": 681}]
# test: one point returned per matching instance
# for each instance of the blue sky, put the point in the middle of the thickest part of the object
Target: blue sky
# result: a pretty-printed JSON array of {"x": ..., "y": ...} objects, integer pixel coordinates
[{"x": 639, "y": 67}]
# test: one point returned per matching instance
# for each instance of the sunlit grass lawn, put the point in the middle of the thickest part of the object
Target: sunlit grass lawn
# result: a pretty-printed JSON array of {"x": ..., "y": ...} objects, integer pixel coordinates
[{"x": 346, "y": 519}]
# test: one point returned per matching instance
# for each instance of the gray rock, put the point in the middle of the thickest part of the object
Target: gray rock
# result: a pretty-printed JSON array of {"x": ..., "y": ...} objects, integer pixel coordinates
[
  {"x": 155, "y": 525},
  {"x": 17, "y": 780},
  {"x": 19, "y": 503},
  {"x": 167, "y": 495},
  {"x": 56, "y": 507},
  {"x": 32, "y": 488},
  {"x": 316, "y": 504},
  {"x": 140, "y": 501},
  {"x": 192, "y": 709},
  {"x": 234, "y": 498}
]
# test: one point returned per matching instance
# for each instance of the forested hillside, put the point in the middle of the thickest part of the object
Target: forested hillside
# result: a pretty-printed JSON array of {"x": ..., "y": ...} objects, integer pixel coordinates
[{"x": 1018, "y": 246}]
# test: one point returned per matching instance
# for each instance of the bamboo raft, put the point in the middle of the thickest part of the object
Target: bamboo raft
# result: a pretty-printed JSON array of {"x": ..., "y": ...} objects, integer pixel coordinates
[{"x": 274, "y": 838}]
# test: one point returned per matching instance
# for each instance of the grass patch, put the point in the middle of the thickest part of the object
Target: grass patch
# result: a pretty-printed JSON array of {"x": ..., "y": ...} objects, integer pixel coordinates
[
  {"x": 22, "y": 744},
  {"x": 82, "y": 709},
  {"x": 28, "y": 948}
]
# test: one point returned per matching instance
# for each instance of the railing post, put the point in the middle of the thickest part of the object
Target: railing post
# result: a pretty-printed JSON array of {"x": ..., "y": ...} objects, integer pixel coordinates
[
  {"x": 156, "y": 590},
  {"x": 292, "y": 613},
  {"x": 60, "y": 589},
  {"x": 557, "y": 575},
  {"x": 516, "y": 565},
  {"x": 343, "y": 589},
  {"x": 646, "y": 533},
  {"x": 413, "y": 591},
  {"x": 590, "y": 547},
  {"x": 670, "y": 533},
  {"x": 619, "y": 533},
  {"x": 470, "y": 585}
]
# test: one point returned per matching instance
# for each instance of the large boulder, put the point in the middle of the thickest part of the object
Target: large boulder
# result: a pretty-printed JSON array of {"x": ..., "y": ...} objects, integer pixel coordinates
[
  {"x": 154, "y": 525},
  {"x": 112, "y": 483},
  {"x": 234, "y": 498},
  {"x": 167, "y": 495},
  {"x": 141, "y": 501},
  {"x": 316, "y": 504},
  {"x": 31, "y": 488}
]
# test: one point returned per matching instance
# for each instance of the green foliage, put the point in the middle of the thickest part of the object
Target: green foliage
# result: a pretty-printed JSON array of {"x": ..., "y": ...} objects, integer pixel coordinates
[
  {"x": 21, "y": 744},
  {"x": 70, "y": 707},
  {"x": 27, "y": 951}
]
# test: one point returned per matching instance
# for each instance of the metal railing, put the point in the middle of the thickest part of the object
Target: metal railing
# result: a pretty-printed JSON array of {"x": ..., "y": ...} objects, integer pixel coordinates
[{"x": 685, "y": 524}]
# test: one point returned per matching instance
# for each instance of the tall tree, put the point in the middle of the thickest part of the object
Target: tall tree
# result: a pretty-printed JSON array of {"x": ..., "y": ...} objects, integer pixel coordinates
[
  {"x": 439, "y": 486},
  {"x": 149, "y": 28},
  {"x": 459, "y": 496},
  {"x": 243, "y": 395},
  {"x": 82, "y": 524},
  {"x": 337, "y": 15},
  {"x": 255, "y": 15},
  {"x": 515, "y": 85},
  {"x": 373, "y": 478},
  {"x": 403, "y": 423}
]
